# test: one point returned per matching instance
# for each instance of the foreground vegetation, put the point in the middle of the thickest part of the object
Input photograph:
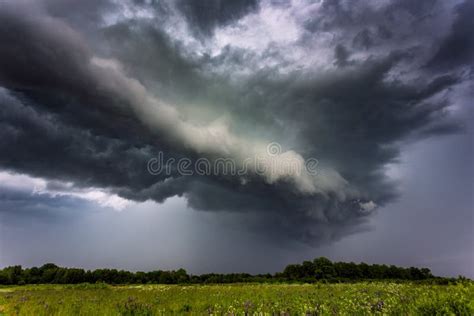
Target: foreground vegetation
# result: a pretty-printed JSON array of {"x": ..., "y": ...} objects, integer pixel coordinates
[{"x": 360, "y": 298}]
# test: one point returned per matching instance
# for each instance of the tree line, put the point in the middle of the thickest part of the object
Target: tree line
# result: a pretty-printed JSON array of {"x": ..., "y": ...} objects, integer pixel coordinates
[{"x": 320, "y": 269}]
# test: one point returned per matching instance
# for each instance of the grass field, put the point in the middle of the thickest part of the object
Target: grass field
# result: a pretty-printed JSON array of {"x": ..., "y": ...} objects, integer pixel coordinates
[{"x": 383, "y": 298}]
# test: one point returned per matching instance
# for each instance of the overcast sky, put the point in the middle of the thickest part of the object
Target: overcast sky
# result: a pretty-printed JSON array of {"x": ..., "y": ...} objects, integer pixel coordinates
[{"x": 370, "y": 101}]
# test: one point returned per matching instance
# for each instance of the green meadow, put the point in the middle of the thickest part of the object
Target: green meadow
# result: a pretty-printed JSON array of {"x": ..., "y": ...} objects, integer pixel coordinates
[{"x": 362, "y": 298}]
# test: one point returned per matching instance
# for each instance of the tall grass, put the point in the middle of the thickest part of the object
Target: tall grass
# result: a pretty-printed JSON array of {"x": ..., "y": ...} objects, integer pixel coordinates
[{"x": 382, "y": 298}]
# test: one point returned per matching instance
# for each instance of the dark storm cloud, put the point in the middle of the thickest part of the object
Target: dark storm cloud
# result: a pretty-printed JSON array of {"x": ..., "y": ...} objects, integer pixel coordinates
[
  {"x": 341, "y": 55},
  {"x": 61, "y": 117},
  {"x": 36, "y": 206},
  {"x": 358, "y": 117},
  {"x": 32, "y": 143},
  {"x": 204, "y": 16},
  {"x": 65, "y": 117},
  {"x": 457, "y": 49},
  {"x": 154, "y": 59}
]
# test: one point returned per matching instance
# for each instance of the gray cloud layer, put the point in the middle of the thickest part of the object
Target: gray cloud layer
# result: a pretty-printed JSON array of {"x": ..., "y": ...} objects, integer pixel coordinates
[{"x": 91, "y": 97}]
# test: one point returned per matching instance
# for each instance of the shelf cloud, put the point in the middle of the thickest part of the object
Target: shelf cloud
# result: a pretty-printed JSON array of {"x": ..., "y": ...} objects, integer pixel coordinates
[{"x": 89, "y": 98}]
